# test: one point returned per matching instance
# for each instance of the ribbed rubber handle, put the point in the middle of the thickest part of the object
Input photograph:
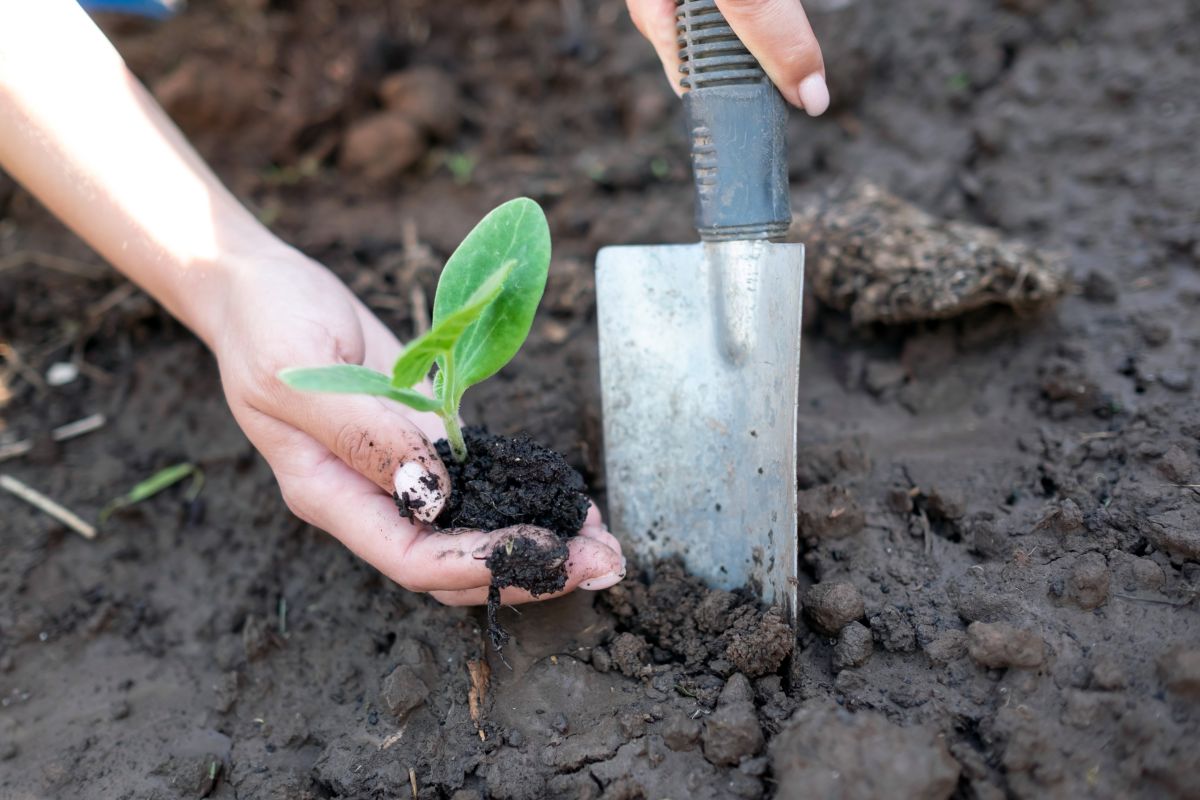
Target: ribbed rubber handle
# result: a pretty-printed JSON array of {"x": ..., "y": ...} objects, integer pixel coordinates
[{"x": 737, "y": 124}]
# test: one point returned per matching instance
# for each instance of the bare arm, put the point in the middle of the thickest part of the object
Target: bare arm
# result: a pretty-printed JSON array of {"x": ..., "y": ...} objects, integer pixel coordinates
[{"x": 80, "y": 132}]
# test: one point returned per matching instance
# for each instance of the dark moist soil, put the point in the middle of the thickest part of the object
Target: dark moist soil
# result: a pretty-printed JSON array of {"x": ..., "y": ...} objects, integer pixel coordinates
[
  {"x": 511, "y": 482},
  {"x": 1000, "y": 562},
  {"x": 507, "y": 481}
]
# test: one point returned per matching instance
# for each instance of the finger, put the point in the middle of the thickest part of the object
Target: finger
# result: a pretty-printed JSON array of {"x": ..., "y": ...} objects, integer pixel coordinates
[
  {"x": 588, "y": 557},
  {"x": 777, "y": 32},
  {"x": 329, "y": 495},
  {"x": 375, "y": 439},
  {"x": 655, "y": 19},
  {"x": 594, "y": 528}
]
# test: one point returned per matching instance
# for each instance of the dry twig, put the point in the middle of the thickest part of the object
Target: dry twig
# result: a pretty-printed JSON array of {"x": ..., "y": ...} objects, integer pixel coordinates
[{"x": 45, "y": 504}]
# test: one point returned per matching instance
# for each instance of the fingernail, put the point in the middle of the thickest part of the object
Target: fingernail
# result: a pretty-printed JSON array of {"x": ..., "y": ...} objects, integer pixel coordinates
[
  {"x": 814, "y": 94},
  {"x": 418, "y": 492},
  {"x": 604, "y": 581}
]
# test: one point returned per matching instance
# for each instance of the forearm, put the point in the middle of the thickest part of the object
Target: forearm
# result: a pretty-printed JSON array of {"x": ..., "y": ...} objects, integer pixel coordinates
[{"x": 80, "y": 132}]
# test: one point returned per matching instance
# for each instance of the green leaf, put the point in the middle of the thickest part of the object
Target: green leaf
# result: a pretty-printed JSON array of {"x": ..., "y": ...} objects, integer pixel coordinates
[
  {"x": 414, "y": 363},
  {"x": 353, "y": 379},
  {"x": 517, "y": 232},
  {"x": 160, "y": 480}
]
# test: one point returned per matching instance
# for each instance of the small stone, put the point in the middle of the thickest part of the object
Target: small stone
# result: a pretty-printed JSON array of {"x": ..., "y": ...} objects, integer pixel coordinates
[
  {"x": 830, "y": 605},
  {"x": 853, "y": 648},
  {"x": 947, "y": 646},
  {"x": 559, "y": 723},
  {"x": 996, "y": 645},
  {"x": 119, "y": 710},
  {"x": 1180, "y": 672},
  {"x": 893, "y": 630},
  {"x": 403, "y": 692},
  {"x": 61, "y": 373},
  {"x": 732, "y": 732},
  {"x": 427, "y": 96},
  {"x": 1177, "y": 380},
  {"x": 629, "y": 653},
  {"x": 8, "y": 751},
  {"x": 829, "y": 512},
  {"x": 681, "y": 732},
  {"x": 382, "y": 146},
  {"x": 1147, "y": 573},
  {"x": 1089, "y": 581},
  {"x": 736, "y": 690}
]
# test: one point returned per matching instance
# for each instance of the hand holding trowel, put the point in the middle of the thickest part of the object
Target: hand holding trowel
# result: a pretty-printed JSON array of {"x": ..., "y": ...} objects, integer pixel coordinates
[{"x": 700, "y": 343}]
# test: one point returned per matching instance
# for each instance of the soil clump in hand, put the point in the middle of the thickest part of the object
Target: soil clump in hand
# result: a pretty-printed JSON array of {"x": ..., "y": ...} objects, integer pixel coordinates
[
  {"x": 515, "y": 482},
  {"x": 509, "y": 481}
]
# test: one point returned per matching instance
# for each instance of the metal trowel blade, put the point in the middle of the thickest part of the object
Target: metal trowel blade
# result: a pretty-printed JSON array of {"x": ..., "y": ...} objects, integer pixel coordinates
[{"x": 699, "y": 366}]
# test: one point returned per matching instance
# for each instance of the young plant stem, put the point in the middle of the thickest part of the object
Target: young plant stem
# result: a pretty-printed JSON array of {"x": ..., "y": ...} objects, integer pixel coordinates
[
  {"x": 450, "y": 397},
  {"x": 458, "y": 447}
]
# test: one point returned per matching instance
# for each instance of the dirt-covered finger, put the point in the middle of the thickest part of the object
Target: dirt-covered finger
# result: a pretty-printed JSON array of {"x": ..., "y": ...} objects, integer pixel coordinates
[
  {"x": 590, "y": 565},
  {"x": 377, "y": 440},
  {"x": 779, "y": 35},
  {"x": 338, "y": 500}
]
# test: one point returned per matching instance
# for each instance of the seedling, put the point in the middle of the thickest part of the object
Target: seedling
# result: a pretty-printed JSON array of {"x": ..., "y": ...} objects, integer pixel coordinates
[
  {"x": 486, "y": 298},
  {"x": 160, "y": 480}
]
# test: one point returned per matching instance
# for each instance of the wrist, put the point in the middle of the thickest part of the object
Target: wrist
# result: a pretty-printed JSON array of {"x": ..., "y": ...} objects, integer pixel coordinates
[{"x": 204, "y": 296}]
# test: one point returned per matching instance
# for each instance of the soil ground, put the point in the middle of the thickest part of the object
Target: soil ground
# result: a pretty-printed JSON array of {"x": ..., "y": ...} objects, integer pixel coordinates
[{"x": 1015, "y": 562}]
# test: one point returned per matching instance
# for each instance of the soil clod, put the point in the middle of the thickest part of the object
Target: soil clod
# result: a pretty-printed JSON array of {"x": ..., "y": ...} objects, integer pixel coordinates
[
  {"x": 829, "y": 606},
  {"x": 1000, "y": 646},
  {"x": 853, "y": 648},
  {"x": 512, "y": 481},
  {"x": 733, "y": 732},
  {"x": 825, "y": 751}
]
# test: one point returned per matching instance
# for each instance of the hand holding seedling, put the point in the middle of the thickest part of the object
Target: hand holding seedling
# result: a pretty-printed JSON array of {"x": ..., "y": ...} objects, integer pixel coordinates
[
  {"x": 93, "y": 145},
  {"x": 776, "y": 32}
]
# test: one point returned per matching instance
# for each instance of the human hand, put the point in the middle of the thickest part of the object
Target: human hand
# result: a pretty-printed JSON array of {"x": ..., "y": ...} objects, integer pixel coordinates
[
  {"x": 338, "y": 458},
  {"x": 776, "y": 32}
]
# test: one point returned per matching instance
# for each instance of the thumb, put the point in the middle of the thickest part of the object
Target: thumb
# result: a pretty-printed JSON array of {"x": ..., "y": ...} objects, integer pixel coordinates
[{"x": 380, "y": 442}]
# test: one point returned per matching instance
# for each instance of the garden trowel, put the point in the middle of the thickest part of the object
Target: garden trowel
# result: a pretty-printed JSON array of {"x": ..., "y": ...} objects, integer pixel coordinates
[{"x": 700, "y": 343}]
